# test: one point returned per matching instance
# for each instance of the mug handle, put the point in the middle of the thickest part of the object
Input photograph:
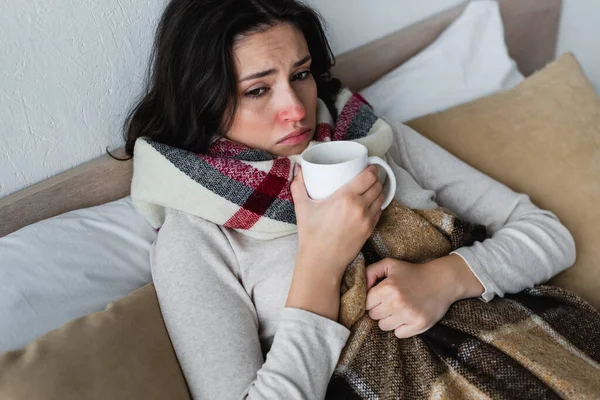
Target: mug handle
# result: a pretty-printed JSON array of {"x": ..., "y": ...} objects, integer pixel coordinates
[{"x": 391, "y": 177}]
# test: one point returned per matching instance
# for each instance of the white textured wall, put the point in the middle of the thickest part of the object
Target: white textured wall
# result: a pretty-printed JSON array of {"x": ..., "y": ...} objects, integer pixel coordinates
[{"x": 69, "y": 70}]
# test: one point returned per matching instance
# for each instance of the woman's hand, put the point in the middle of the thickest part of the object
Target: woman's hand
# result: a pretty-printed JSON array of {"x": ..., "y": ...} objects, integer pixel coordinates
[
  {"x": 411, "y": 298},
  {"x": 332, "y": 231}
]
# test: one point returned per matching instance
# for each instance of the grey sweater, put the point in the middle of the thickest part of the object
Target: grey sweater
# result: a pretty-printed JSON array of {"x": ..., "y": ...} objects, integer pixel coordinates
[{"x": 223, "y": 294}]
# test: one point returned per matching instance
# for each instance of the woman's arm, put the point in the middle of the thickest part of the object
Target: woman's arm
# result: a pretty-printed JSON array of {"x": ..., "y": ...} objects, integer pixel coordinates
[
  {"x": 331, "y": 233},
  {"x": 213, "y": 324},
  {"x": 528, "y": 245}
]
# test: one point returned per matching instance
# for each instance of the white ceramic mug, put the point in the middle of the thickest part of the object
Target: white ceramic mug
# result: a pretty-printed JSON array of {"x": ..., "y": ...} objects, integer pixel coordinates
[{"x": 328, "y": 166}]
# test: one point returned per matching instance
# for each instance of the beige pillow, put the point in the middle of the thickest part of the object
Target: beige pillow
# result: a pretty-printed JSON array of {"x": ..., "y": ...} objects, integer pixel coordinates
[
  {"x": 123, "y": 352},
  {"x": 541, "y": 138}
]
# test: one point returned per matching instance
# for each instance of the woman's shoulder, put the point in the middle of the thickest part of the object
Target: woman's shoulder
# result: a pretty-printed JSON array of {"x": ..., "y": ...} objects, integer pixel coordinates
[
  {"x": 183, "y": 228},
  {"x": 190, "y": 240},
  {"x": 405, "y": 135},
  {"x": 415, "y": 152},
  {"x": 187, "y": 221},
  {"x": 404, "y": 144}
]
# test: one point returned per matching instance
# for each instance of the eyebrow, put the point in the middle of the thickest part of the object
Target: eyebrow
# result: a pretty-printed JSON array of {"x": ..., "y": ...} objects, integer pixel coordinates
[{"x": 262, "y": 74}]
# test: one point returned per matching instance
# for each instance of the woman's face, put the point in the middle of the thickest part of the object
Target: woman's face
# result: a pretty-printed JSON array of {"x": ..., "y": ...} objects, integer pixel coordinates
[{"x": 276, "y": 90}]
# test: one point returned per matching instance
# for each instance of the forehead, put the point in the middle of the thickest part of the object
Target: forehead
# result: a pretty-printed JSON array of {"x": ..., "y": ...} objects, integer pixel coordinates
[{"x": 281, "y": 44}]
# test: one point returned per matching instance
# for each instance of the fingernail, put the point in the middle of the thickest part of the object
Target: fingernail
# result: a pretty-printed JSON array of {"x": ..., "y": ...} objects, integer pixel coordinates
[{"x": 296, "y": 168}]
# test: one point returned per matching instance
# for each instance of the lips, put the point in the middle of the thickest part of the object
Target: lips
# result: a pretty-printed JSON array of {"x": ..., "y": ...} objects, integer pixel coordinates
[{"x": 298, "y": 136}]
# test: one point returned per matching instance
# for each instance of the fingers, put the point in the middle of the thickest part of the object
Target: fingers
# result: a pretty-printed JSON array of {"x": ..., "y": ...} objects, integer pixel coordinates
[
  {"x": 297, "y": 187},
  {"x": 405, "y": 331},
  {"x": 391, "y": 322},
  {"x": 380, "y": 311},
  {"x": 363, "y": 181},
  {"x": 376, "y": 205},
  {"x": 402, "y": 326},
  {"x": 372, "y": 193},
  {"x": 404, "y": 322},
  {"x": 374, "y": 198},
  {"x": 375, "y": 271}
]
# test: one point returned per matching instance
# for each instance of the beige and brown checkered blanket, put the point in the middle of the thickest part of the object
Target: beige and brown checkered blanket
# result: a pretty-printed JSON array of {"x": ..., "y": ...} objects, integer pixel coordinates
[{"x": 542, "y": 343}]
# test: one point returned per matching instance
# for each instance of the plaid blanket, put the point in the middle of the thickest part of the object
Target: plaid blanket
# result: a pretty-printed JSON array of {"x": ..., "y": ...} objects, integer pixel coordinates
[{"x": 543, "y": 343}]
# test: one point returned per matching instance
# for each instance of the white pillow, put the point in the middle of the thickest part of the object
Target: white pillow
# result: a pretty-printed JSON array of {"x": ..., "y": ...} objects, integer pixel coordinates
[
  {"x": 68, "y": 266},
  {"x": 467, "y": 61}
]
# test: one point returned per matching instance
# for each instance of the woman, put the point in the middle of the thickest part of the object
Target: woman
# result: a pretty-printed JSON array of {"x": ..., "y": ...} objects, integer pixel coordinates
[{"x": 257, "y": 318}]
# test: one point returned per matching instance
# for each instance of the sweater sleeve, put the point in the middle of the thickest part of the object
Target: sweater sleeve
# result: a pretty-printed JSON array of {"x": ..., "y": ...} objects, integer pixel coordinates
[
  {"x": 527, "y": 245},
  {"x": 213, "y": 324}
]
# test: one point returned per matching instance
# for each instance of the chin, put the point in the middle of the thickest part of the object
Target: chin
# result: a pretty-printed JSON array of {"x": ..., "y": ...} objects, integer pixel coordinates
[{"x": 291, "y": 150}]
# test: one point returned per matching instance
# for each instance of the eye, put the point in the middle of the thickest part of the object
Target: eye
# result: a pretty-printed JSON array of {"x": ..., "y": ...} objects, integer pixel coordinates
[
  {"x": 255, "y": 93},
  {"x": 300, "y": 76}
]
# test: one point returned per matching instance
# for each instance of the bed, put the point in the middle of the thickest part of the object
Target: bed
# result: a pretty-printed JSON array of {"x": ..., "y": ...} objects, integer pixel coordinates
[{"x": 530, "y": 31}]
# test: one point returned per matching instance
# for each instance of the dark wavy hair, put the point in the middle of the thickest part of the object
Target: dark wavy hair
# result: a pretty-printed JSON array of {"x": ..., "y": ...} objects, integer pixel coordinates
[{"x": 191, "y": 94}]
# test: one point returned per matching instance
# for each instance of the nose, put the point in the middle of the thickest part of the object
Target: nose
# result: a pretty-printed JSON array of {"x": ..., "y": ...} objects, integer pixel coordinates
[{"x": 290, "y": 107}]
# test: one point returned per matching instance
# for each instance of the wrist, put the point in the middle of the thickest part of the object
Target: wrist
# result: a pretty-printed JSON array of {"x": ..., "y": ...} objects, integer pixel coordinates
[
  {"x": 317, "y": 271},
  {"x": 461, "y": 281},
  {"x": 322, "y": 262},
  {"x": 315, "y": 289}
]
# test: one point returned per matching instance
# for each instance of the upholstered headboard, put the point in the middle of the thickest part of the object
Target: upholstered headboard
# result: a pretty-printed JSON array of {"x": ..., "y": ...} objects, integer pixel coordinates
[{"x": 531, "y": 29}]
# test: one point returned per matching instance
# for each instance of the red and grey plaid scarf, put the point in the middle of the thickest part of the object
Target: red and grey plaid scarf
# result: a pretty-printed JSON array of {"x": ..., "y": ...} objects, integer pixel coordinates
[{"x": 238, "y": 187}]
